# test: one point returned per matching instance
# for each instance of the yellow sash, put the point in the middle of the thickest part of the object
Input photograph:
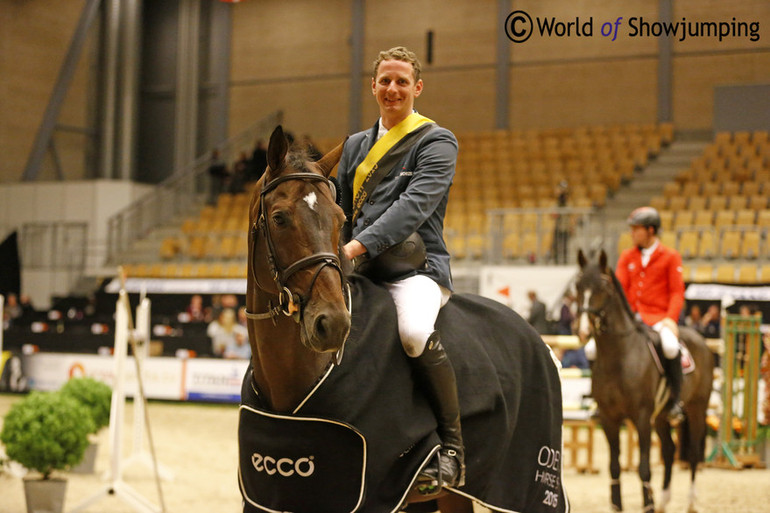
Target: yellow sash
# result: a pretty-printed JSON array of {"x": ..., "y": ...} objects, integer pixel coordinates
[{"x": 383, "y": 145}]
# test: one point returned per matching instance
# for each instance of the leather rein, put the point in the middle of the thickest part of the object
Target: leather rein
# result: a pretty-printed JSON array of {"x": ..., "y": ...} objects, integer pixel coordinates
[{"x": 289, "y": 303}]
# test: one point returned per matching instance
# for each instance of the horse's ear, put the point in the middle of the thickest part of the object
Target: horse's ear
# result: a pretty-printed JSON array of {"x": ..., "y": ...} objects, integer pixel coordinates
[
  {"x": 603, "y": 261},
  {"x": 581, "y": 259},
  {"x": 277, "y": 149},
  {"x": 331, "y": 159}
]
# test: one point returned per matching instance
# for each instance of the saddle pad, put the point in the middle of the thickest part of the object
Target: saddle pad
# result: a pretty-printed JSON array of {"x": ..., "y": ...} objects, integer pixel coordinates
[{"x": 299, "y": 464}]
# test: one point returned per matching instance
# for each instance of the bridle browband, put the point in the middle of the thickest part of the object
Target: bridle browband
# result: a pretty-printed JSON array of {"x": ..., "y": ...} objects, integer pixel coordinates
[{"x": 289, "y": 303}]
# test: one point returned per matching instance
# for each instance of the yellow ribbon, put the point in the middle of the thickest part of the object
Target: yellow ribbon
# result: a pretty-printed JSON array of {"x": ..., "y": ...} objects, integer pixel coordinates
[{"x": 383, "y": 145}]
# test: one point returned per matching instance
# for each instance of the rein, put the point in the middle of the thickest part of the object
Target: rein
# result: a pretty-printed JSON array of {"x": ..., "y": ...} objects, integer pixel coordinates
[{"x": 289, "y": 303}]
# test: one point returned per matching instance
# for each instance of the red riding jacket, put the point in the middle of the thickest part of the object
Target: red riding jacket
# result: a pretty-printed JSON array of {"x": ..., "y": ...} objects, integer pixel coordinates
[{"x": 655, "y": 291}]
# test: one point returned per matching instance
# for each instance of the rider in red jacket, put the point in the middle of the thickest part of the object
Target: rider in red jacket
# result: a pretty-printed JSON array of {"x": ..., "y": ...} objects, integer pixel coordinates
[{"x": 651, "y": 276}]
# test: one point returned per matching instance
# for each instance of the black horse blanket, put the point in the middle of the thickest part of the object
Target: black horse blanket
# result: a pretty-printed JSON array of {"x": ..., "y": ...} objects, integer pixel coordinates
[{"x": 363, "y": 433}]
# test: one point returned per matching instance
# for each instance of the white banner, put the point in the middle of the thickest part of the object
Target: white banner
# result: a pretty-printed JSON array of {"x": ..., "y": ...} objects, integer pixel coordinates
[
  {"x": 714, "y": 292},
  {"x": 509, "y": 285},
  {"x": 214, "y": 380},
  {"x": 49, "y": 371},
  {"x": 179, "y": 286}
]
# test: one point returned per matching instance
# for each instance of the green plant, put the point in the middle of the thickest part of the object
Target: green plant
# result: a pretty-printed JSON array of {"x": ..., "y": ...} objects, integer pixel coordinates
[
  {"x": 95, "y": 395},
  {"x": 46, "y": 431}
]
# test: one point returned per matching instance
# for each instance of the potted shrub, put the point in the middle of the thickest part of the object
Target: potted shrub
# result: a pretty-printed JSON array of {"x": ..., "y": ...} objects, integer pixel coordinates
[
  {"x": 96, "y": 396},
  {"x": 46, "y": 432}
]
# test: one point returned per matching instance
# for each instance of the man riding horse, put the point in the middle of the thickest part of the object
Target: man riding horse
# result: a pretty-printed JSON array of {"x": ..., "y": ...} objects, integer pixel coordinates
[
  {"x": 651, "y": 276},
  {"x": 395, "y": 180}
]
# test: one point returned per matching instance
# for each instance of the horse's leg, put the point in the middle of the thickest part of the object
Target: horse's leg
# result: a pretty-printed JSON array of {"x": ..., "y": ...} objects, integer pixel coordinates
[
  {"x": 453, "y": 503},
  {"x": 644, "y": 430},
  {"x": 668, "y": 450},
  {"x": 696, "y": 423},
  {"x": 612, "y": 432}
]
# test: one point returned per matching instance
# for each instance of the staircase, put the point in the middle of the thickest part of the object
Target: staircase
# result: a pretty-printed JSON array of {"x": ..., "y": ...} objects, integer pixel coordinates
[{"x": 649, "y": 182}]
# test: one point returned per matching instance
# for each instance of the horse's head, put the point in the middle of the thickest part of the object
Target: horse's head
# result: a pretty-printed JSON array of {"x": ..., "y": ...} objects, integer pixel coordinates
[
  {"x": 294, "y": 242},
  {"x": 594, "y": 291}
]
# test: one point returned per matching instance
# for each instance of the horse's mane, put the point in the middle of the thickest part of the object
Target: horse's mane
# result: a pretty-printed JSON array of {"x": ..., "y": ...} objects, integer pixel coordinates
[{"x": 623, "y": 299}]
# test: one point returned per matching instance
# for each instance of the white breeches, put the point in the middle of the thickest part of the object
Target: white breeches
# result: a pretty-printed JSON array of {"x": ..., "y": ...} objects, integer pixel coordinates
[
  {"x": 418, "y": 300},
  {"x": 668, "y": 341}
]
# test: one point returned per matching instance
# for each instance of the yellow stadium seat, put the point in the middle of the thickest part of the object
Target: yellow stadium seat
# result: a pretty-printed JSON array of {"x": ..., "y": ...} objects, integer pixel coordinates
[
  {"x": 717, "y": 203},
  {"x": 723, "y": 219},
  {"x": 737, "y": 202},
  {"x": 731, "y": 244},
  {"x": 688, "y": 244},
  {"x": 750, "y": 244},
  {"x": 696, "y": 202},
  {"x": 624, "y": 241},
  {"x": 757, "y": 202},
  {"x": 704, "y": 273},
  {"x": 671, "y": 189},
  {"x": 659, "y": 203},
  {"x": 709, "y": 189},
  {"x": 703, "y": 218},
  {"x": 725, "y": 273},
  {"x": 677, "y": 203},
  {"x": 747, "y": 273},
  {"x": 730, "y": 188},
  {"x": 745, "y": 217},
  {"x": 763, "y": 219},
  {"x": 691, "y": 190},
  {"x": 684, "y": 219},
  {"x": 764, "y": 273},
  {"x": 666, "y": 219},
  {"x": 668, "y": 239},
  {"x": 707, "y": 247},
  {"x": 686, "y": 273}
]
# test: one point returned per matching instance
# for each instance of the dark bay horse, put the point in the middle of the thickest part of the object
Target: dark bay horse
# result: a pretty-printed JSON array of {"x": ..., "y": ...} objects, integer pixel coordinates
[
  {"x": 626, "y": 383},
  {"x": 330, "y": 418}
]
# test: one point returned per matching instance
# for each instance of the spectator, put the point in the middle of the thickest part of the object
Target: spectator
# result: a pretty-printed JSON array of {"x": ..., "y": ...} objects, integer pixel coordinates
[
  {"x": 537, "y": 313},
  {"x": 711, "y": 323},
  {"x": 562, "y": 225},
  {"x": 566, "y": 316},
  {"x": 694, "y": 318},
  {"x": 225, "y": 333},
  {"x": 240, "y": 171},
  {"x": 12, "y": 311},
  {"x": 218, "y": 175},
  {"x": 195, "y": 310},
  {"x": 258, "y": 162}
]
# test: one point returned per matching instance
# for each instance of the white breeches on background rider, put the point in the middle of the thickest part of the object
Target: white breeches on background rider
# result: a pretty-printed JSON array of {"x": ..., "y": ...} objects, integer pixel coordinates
[
  {"x": 418, "y": 300},
  {"x": 668, "y": 340}
]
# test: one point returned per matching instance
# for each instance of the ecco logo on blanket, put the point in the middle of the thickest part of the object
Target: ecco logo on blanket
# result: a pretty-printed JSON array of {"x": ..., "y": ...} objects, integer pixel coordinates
[{"x": 286, "y": 467}]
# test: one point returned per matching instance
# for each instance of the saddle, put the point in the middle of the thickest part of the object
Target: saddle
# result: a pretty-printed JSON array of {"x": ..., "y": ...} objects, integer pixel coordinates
[{"x": 656, "y": 348}]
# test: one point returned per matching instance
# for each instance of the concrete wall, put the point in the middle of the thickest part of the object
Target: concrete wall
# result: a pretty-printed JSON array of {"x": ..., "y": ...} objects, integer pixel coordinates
[{"x": 92, "y": 202}]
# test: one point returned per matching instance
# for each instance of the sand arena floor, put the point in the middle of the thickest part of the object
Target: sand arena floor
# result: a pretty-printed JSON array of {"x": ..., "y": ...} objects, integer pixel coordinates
[{"x": 198, "y": 443}]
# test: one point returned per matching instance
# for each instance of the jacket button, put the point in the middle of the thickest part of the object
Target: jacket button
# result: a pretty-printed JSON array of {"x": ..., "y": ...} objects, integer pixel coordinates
[
  {"x": 367, "y": 222},
  {"x": 371, "y": 202}
]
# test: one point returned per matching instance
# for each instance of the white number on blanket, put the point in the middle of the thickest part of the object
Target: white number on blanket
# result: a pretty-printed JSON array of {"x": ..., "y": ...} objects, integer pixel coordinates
[{"x": 551, "y": 499}]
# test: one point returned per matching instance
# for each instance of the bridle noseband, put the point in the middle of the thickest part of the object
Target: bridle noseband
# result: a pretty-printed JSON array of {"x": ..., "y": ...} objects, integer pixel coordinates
[{"x": 289, "y": 303}]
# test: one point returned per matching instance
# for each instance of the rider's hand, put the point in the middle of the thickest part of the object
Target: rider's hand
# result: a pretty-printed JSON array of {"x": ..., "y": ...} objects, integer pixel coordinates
[{"x": 353, "y": 249}]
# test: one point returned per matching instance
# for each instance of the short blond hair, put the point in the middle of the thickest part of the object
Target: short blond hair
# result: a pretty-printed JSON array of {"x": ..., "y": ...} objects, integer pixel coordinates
[{"x": 399, "y": 53}]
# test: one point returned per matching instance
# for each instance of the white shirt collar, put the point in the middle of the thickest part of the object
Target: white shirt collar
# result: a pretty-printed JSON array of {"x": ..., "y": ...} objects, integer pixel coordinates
[
  {"x": 647, "y": 252},
  {"x": 382, "y": 130}
]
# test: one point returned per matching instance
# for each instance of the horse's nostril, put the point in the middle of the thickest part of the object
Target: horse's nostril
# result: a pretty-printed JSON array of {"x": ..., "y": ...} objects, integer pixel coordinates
[{"x": 321, "y": 326}]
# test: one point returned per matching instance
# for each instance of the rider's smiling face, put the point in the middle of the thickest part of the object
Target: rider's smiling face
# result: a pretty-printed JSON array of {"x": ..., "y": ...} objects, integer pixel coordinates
[{"x": 395, "y": 89}]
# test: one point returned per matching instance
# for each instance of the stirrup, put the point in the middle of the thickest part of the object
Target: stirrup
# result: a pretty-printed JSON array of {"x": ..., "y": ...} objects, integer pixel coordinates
[{"x": 675, "y": 414}]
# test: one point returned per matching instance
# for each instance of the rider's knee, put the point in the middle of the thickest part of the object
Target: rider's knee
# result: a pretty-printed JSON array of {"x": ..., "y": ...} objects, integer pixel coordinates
[
  {"x": 414, "y": 341},
  {"x": 590, "y": 350},
  {"x": 670, "y": 343}
]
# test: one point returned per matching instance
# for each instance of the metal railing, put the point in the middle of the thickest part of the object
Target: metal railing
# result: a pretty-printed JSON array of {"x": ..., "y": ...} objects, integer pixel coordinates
[
  {"x": 179, "y": 194},
  {"x": 555, "y": 234}
]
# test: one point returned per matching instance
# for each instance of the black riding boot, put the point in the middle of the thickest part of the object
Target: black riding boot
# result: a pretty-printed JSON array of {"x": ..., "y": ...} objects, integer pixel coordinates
[
  {"x": 438, "y": 378},
  {"x": 673, "y": 369}
]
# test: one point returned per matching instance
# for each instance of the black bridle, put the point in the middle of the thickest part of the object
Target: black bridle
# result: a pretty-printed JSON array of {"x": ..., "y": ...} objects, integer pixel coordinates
[
  {"x": 289, "y": 303},
  {"x": 598, "y": 314}
]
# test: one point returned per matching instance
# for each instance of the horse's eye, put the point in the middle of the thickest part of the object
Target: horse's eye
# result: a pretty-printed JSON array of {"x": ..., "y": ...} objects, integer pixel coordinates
[{"x": 280, "y": 219}]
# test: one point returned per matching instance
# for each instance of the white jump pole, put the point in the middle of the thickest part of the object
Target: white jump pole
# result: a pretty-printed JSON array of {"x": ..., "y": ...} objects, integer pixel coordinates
[
  {"x": 142, "y": 351},
  {"x": 116, "y": 486}
]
